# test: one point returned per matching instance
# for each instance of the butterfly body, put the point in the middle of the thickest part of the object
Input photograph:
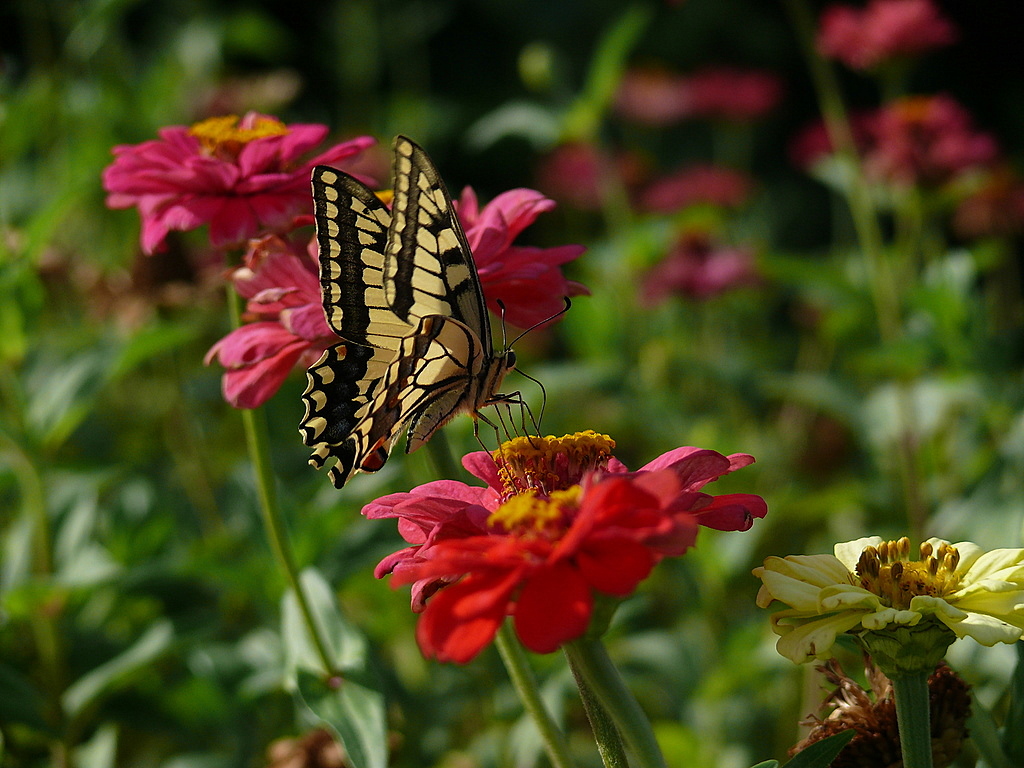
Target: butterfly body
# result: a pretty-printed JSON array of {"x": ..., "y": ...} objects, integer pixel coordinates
[{"x": 401, "y": 291}]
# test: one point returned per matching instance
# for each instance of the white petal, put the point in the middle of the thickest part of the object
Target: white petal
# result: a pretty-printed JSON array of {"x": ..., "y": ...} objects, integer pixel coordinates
[
  {"x": 840, "y": 597},
  {"x": 814, "y": 639},
  {"x": 849, "y": 552},
  {"x": 1003, "y": 564},
  {"x": 937, "y": 606},
  {"x": 987, "y": 630},
  {"x": 794, "y": 592}
]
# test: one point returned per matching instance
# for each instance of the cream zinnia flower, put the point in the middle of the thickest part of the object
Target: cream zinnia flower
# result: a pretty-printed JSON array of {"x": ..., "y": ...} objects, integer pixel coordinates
[{"x": 871, "y": 586}]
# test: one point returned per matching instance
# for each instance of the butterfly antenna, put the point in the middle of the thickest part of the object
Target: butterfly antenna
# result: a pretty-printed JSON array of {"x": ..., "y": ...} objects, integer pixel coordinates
[
  {"x": 543, "y": 402},
  {"x": 536, "y": 325}
]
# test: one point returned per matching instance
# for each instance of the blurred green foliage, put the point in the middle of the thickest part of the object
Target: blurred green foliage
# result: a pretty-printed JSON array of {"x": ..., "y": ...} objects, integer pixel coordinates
[{"x": 140, "y": 612}]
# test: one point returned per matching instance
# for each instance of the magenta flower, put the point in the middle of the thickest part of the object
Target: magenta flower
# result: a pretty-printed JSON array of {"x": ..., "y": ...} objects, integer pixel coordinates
[
  {"x": 280, "y": 280},
  {"x": 737, "y": 95},
  {"x": 527, "y": 280},
  {"x": 925, "y": 140},
  {"x": 560, "y": 521},
  {"x": 696, "y": 184},
  {"x": 653, "y": 97},
  {"x": 244, "y": 177},
  {"x": 863, "y": 38},
  {"x": 656, "y": 97},
  {"x": 698, "y": 269}
]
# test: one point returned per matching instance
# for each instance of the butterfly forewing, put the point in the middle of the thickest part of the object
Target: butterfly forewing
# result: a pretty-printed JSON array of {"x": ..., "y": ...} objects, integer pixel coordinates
[
  {"x": 352, "y": 226},
  {"x": 400, "y": 287},
  {"x": 428, "y": 269}
]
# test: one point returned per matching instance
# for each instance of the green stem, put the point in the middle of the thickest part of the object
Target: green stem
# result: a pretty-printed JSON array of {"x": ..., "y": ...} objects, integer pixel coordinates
[
  {"x": 609, "y": 742},
  {"x": 257, "y": 440},
  {"x": 589, "y": 660},
  {"x": 913, "y": 718},
  {"x": 525, "y": 683}
]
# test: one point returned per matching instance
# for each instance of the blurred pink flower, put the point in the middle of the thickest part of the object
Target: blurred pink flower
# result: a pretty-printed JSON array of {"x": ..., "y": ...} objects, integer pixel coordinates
[
  {"x": 528, "y": 280},
  {"x": 862, "y": 38},
  {"x": 727, "y": 93},
  {"x": 696, "y": 184},
  {"x": 926, "y": 140},
  {"x": 653, "y": 97},
  {"x": 578, "y": 173},
  {"x": 698, "y": 269},
  {"x": 457, "y": 537},
  {"x": 244, "y": 177},
  {"x": 287, "y": 329},
  {"x": 657, "y": 97}
]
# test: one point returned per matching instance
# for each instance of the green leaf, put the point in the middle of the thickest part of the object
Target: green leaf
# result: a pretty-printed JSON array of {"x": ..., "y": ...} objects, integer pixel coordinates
[
  {"x": 101, "y": 749},
  {"x": 118, "y": 670},
  {"x": 985, "y": 736},
  {"x": 20, "y": 702},
  {"x": 767, "y": 764},
  {"x": 350, "y": 704},
  {"x": 821, "y": 753}
]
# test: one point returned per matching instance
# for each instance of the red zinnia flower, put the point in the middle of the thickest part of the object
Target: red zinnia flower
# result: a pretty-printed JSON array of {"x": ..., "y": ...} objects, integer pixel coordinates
[
  {"x": 653, "y": 97},
  {"x": 560, "y": 523},
  {"x": 529, "y": 281},
  {"x": 242, "y": 176},
  {"x": 885, "y": 29},
  {"x": 281, "y": 282}
]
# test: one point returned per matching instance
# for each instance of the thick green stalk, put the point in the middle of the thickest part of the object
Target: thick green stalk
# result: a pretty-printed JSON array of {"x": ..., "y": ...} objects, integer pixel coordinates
[
  {"x": 254, "y": 423},
  {"x": 525, "y": 683},
  {"x": 609, "y": 742},
  {"x": 914, "y": 718},
  {"x": 589, "y": 660}
]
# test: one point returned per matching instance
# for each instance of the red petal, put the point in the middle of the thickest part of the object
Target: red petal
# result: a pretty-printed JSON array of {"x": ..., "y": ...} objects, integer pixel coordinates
[
  {"x": 553, "y": 608},
  {"x": 461, "y": 619}
]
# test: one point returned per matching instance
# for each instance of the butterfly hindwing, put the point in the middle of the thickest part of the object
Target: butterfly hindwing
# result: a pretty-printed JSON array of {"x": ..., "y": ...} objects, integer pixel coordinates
[{"x": 401, "y": 289}]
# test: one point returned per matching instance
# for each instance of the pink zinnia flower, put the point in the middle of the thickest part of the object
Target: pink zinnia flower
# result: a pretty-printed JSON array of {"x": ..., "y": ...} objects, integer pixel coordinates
[
  {"x": 653, "y": 97},
  {"x": 698, "y": 269},
  {"x": 560, "y": 522},
  {"x": 884, "y": 30},
  {"x": 926, "y": 140},
  {"x": 528, "y": 280},
  {"x": 995, "y": 207},
  {"x": 244, "y": 177},
  {"x": 580, "y": 173},
  {"x": 693, "y": 185},
  {"x": 288, "y": 329},
  {"x": 738, "y": 95}
]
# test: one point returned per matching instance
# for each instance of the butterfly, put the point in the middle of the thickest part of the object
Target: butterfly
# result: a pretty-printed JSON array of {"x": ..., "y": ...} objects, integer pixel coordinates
[{"x": 401, "y": 289}]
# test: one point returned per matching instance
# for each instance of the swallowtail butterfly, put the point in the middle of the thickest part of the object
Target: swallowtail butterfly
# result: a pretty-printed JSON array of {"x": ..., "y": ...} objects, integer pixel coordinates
[{"x": 401, "y": 290}]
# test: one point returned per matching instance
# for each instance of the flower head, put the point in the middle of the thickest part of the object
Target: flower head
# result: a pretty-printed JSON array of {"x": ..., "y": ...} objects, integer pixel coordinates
[
  {"x": 243, "y": 176},
  {"x": 732, "y": 94},
  {"x": 560, "y": 522},
  {"x": 288, "y": 329},
  {"x": 872, "y": 587},
  {"x": 699, "y": 269},
  {"x": 527, "y": 280},
  {"x": 884, "y": 30},
  {"x": 710, "y": 184}
]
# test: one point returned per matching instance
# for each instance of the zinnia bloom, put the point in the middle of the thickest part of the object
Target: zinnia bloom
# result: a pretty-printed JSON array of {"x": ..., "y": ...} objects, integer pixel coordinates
[
  {"x": 653, "y": 97},
  {"x": 280, "y": 280},
  {"x": 737, "y": 95},
  {"x": 871, "y": 586},
  {"x": 924, "y": 140},
  {"x": 560, "y": 523},
  {"x": 696, "y": 184},
  {"x": 698, "y": 269},
  {"x": 884, "y": 30},
  {"x": 242, "y": 176},
  {"x": 527, "y": 280}
]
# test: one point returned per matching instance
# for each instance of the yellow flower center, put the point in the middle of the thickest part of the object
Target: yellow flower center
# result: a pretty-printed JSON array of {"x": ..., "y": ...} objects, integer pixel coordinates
[
  {"x": 888, "y": 572},
  {"x": 385, "y": 196},
  {"x": 548, "y": 464},
  {"x": 530, "y": 514},
  {"x": 224, "y": 137}
]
